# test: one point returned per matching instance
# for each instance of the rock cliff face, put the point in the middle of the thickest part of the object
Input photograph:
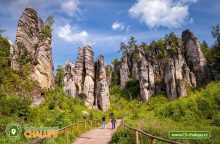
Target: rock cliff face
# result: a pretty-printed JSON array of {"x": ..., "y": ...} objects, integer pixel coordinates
[
  {"x": 101, "y": 85},
  {"x": 39, "y": 49},
  {"x": 183, "y": 65},
  {"x": 87, "y": 79},
  {"x": 195, "y": 58}
]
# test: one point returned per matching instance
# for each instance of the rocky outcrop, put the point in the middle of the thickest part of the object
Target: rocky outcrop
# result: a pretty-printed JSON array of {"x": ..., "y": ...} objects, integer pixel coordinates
[
  {"x": 124, "y": 72},
  {"x": 101, "y": 85},
  {"x": 87, "y": 79},
  {"x": 69, "y": 79},
  {"x": 146, "y": 80},
  {"x": 195, "y": 58},
  {"x": 39, "y": 50},
  {"x": 169, "y": 66}
]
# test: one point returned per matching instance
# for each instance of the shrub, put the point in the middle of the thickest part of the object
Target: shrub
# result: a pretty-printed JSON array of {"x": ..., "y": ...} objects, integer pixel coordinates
[{"x": 123, "y": 136}]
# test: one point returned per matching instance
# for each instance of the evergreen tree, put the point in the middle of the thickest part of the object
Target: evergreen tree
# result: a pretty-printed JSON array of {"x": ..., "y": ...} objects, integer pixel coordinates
[{"x": 59, "y": 78}]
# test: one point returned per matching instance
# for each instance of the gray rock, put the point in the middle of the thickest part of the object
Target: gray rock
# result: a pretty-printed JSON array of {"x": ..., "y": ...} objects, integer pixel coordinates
[
  {"x": 86, "y": 81},
  {"x": 146, "y": 80},
  {"x": 124, "y": 72},
  {"x": 195, "y": 58},
  {"x": 101, "y": 85},
  {"x": 40, "y": 49},
  {"x": 69, "y": 79}
]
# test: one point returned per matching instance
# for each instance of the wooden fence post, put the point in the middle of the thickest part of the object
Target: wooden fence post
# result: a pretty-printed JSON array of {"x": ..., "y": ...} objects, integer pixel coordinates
[
  {"x": 65, "y": 134},
  {"x": 85, "y": 124},
  {"x": 91, "y": 123},
  {"x": 152, "y": 140},
  {"x": 137, "y": 138}
]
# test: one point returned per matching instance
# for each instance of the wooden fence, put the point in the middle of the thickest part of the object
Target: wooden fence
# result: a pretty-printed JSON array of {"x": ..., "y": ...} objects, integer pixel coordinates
[{"x": 152, "y": 139}]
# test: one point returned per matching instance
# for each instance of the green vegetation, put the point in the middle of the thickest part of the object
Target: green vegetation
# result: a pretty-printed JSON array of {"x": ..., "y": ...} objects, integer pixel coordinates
[
  {"x": 22, "y": 55},
  {"x": 16, "y": 92},
  {"x": 197, "y": 112},
  {"x": 46, "y": 31},
  {"x": 59, "y": 77}
]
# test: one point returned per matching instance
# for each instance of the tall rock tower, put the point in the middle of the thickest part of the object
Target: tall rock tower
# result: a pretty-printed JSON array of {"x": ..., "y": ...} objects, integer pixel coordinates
[
  {"x": 29, "y": 37},
  {"x": 87, "y": 79}
]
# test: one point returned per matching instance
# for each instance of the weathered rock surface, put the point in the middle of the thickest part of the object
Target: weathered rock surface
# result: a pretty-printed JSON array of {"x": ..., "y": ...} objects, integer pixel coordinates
[
  {"x": 29, "y": 35},
  {"x": 87, "y": 81},
  {"x": 146, "y": 80},
  {"x": 124, "y": 72},
  {"x": 195, "y": 58},
  {"x": 101, "y": 85},
  {"x": 69, "y": 79},
  {"x": 183, "y": 65}
]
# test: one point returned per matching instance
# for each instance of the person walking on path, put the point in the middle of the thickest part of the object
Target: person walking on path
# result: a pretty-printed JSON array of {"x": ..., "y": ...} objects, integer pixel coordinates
[
  {"x": 103, "y": 121},
  {"x": 113, "y": 121}
]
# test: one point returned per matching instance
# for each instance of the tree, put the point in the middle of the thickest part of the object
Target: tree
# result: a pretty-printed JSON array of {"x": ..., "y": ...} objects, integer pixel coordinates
[
  {"x": 59, "y": 78},
  {"x": 205, "y": 44},
  {"x": 116, "y": 72},
  {"x": 1, "y": 30},
  {"x": 47, "y": 29},
  {"x": 123, "y": 48},
  {"x": 4, "y": 52},
  {"x": 23, "y": 55},
  {"x": 50, "y": 21},
  {"x": 132, "y": 44},
  {"x": 216, "y": 34}
]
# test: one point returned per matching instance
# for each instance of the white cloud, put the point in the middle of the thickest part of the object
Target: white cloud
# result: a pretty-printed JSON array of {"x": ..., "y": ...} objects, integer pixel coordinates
[
  {"x": 118, "y": 26},
  {"x": 161, "y": 13},
  {"x": 70, "y": 7},
  {"x": 70, "y": 34}
]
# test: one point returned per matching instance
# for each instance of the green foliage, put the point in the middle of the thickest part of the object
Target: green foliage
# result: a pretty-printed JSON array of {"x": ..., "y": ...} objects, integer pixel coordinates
[
  {"x": 123, "y": 136},
  {"x": 130, "y": 47},
  {"x": 23, "y": 56},
  {"x": 14, "y": 106},
  {"x": 145, "y": 47},
  {"x": 1, "y": 30},
  {"x": 115, "y": 73},
  {"x": 4, "y": 52},
  {"x": 46, "y": 31},
  {"x": 59, "y": 77},
  {"x": 216, "y": 34},
  {"x": 132, "y": 88},
  {"x": 197, "y": 112}
]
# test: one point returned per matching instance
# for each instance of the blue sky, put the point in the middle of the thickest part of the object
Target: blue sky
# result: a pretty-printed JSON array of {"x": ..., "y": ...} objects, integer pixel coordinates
[{"x": 103, "y": 24}]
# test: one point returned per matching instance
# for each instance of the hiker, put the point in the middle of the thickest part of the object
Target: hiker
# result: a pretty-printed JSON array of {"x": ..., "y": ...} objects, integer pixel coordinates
[
  {"x": 111, "y": 115},
  {"x": 113, "y": 121},
  {"x": 103, "y": 121}
]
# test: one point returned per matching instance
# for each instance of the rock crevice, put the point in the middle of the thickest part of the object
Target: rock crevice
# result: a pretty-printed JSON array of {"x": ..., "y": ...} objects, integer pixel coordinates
[{"x": 87, "y": 79}]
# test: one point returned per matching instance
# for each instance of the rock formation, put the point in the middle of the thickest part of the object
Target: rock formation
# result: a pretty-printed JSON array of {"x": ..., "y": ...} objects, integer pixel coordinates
[
  {"x": 87, "y": 79},
  {"x": 124, "y": 72},
  {"x": 38, "y": 48},
  {"x": 180, "y": 66},
  {"x": 101, "y": 85},
  {"x": 195, "y": 58}
]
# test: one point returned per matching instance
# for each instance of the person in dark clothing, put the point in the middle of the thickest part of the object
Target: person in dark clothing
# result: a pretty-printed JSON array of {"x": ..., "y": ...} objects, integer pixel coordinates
[
  {"x": 113, "y": 121},
  {"x": 103, "y": 121}
]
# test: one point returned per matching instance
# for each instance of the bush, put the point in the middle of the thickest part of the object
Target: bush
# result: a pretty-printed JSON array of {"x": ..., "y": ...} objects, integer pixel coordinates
[{"x": 123, "y": 136}]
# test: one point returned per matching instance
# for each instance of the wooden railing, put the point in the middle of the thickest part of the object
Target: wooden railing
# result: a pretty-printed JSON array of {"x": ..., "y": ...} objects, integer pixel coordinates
[
  {"x": 152, "y": 139},
  {"x": 64, "y": 130}
]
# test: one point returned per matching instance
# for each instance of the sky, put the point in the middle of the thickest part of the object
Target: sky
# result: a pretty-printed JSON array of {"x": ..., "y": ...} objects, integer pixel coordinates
[{"x": 103, "y": 24}]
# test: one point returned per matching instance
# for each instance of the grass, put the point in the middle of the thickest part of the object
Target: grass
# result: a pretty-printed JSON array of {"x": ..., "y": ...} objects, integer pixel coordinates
[{"x": 198, "y": 112}]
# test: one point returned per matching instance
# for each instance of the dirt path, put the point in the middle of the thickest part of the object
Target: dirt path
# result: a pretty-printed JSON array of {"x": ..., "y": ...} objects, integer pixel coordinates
[{"x": 97, "y": 135}]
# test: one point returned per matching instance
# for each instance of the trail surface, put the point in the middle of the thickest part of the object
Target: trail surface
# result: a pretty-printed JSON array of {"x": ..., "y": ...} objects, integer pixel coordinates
[{"x": 97, "y": 135}]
